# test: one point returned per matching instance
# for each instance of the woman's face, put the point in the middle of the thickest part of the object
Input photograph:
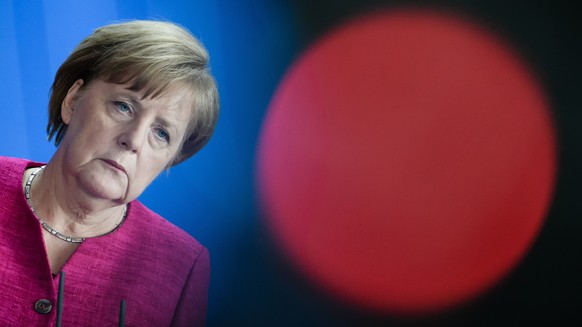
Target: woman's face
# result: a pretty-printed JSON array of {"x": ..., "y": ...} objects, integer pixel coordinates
[{"x": 116, "y": 142}]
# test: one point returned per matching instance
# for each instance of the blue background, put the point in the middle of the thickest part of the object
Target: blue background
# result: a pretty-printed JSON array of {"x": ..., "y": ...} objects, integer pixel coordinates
[{"x": 212, "y": 196}]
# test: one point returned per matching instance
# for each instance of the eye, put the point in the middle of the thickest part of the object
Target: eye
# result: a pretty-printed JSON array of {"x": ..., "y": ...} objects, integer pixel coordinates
[
  {"x": 162, "y": 134},
  {"x": 122, "y": 107}
]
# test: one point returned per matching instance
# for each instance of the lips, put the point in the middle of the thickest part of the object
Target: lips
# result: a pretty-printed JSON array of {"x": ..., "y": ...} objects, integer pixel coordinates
[{"x": 115, "y": 165}]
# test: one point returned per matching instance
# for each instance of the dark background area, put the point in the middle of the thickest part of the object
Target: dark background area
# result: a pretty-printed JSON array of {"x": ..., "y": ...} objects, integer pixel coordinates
[{"x": 545, "y": 288}]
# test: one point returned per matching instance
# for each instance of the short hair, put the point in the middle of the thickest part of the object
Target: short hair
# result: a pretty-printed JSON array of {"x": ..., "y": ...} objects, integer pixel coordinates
[{"x": 154, "y": 56}]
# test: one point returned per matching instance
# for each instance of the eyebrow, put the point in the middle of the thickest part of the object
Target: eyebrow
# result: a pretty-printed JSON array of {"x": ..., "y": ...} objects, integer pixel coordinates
[
  {"x": 167, "y": 125},
  {"x": 132, "y": 97}
]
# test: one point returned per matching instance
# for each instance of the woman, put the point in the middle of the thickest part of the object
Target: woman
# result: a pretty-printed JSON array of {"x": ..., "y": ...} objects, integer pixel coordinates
[{"x": 131, "y": 100}]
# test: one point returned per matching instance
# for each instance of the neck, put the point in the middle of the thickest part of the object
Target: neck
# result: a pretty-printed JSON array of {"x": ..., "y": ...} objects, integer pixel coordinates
[{"x": 68, "y": 211}]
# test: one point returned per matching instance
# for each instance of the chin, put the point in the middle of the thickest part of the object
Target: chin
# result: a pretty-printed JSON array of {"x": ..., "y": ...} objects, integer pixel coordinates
[
  {"x": 103, "y": 186},
  {"x": 109, "y": 192}
]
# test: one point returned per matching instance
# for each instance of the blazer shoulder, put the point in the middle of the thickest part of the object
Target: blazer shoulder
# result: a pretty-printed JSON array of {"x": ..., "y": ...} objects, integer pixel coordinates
[{"x": 163, "y": 233}]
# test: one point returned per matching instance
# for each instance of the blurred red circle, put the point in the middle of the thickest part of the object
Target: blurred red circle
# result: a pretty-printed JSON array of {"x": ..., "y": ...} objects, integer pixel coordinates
[{"x": 407, "y": 161}]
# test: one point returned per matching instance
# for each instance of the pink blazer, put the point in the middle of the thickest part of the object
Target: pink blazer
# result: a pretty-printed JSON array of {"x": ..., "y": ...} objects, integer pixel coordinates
[{"x": 160, "y": 271}]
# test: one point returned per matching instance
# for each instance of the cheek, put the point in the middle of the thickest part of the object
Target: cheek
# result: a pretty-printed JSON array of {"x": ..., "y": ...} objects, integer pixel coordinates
[
  {"x": 168, "y": 156},
  {"x": 90, "y": 130}
]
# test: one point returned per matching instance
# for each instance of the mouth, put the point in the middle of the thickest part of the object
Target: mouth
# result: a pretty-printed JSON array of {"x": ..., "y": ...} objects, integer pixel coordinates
[{"x": 115, "y": 165}]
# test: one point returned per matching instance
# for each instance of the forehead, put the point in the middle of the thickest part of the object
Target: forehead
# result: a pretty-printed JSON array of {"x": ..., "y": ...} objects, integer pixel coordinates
[{"x": 178, "y": 97}]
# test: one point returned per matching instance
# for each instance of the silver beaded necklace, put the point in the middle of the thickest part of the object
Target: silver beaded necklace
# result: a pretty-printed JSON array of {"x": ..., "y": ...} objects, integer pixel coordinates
[{"x": 47, "y": 227}]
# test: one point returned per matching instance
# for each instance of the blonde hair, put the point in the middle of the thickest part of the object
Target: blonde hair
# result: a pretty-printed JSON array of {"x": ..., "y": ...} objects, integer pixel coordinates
[{"x": 153, "y": 56}]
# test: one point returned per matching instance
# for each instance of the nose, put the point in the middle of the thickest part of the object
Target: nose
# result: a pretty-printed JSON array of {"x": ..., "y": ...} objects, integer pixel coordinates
[{"x": 133, "y": 137}]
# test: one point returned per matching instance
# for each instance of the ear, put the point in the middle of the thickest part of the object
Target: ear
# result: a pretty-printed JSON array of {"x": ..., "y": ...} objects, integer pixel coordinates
[{"x": 68, "y": 105}]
